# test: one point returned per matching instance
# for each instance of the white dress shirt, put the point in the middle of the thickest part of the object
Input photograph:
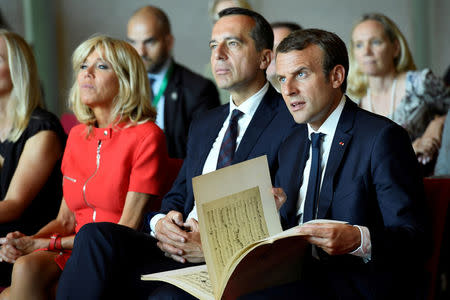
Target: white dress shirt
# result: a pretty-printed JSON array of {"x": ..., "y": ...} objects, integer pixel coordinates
[
  {"x": 159, "y": 77},
  {"x": 328, "y": 128},
  {"x": 248, "y": 107}
]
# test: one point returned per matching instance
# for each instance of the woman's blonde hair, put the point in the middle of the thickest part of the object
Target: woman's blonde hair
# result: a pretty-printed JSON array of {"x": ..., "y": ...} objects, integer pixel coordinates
[
  {"x": 132, "y": 103},
  {"x": 357, "y": 80},
  {"x": 26, "y": 92}
]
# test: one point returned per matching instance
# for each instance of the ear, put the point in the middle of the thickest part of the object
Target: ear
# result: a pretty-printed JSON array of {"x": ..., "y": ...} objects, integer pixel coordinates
[
  {"x": 266, "y": 58},
  {"x": 396, "y": 49},
  {"x": 169, "y": 42},
  {"x": 337, "y": 76}
]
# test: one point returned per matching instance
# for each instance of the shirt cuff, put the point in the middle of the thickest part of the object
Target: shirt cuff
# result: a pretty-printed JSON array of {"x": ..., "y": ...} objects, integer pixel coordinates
[
  {"x": 153, "y": 222},
  {"x": 365, "y": 248}
]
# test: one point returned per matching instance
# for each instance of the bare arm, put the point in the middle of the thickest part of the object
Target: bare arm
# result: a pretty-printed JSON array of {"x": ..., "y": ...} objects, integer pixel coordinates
[
  {"x": 39, "y": 156},
  {"x": 427, "y": 146},
  {"x": 17, "y": 244},
  {"x": 136, "y": 205}
]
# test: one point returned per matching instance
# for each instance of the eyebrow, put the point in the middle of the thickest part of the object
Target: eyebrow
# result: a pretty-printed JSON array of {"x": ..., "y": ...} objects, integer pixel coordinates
[
  {"x": 229, "y": 38},
  {"x": 148, "y": 40}
]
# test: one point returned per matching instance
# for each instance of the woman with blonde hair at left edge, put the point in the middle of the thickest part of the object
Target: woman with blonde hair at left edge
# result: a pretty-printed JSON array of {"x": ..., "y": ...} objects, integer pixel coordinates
[{"x": 112, "y": 165}]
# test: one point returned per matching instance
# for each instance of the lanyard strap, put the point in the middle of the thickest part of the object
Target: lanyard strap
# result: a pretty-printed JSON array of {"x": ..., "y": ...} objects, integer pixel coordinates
[{"x": 163, "y": 86}]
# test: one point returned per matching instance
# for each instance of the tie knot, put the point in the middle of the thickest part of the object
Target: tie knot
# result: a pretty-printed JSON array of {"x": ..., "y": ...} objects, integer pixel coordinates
[
  {"x": 316, "y": 139},
  {"x": 235, "y": 115}
]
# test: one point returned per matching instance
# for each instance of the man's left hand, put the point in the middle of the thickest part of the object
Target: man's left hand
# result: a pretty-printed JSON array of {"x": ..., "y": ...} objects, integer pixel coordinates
[{"x": 334, "y": 239}]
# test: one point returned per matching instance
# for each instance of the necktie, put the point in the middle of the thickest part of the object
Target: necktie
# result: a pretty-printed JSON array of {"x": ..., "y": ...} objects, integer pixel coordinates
[
  {"x": 312, "y": 193},
  {"x": 228, "y": 146}
]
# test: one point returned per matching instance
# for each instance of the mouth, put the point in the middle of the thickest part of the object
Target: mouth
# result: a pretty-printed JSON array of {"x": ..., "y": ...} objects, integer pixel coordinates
[
  {"x": 221, "y": 71},
  {"x": 297, "y": 105},
  {"x": 87, "y": 86}
]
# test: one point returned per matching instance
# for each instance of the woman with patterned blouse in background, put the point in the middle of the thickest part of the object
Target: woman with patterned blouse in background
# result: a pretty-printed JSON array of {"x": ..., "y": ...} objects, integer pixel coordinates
[{"x": 382, "y": 75}]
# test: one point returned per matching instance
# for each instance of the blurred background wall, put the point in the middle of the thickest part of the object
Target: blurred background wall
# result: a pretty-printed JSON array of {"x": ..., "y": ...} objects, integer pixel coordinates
[{"x": 56, "y": 27}]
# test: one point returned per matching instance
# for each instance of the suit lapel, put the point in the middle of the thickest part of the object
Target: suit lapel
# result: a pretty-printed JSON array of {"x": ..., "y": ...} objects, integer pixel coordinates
[
  {"x": 341, "y": 141},
  {"x": 264, "y": 114},
  {"x": 171, "y": 97},
  {"x": 300, "y": 152},
  {"x": 210, "y": 135}
]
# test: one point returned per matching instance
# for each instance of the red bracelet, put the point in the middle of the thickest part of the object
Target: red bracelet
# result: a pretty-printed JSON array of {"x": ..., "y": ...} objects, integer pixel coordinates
[{"x": 54, "y": 238}]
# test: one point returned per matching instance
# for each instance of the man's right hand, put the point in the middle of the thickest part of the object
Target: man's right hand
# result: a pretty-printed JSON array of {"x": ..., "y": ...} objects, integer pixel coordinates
[{"x": 170, "y": 233}]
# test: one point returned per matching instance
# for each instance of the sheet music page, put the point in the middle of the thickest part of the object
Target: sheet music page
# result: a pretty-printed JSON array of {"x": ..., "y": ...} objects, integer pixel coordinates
[
  {"x": 234, "y": 221},
  {"x": 194, "y": 280},
  {"x": 223, "y": 200}
]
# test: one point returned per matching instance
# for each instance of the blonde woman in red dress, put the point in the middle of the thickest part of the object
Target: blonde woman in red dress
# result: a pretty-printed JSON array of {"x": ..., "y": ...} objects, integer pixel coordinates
[{"x": 112, "y": 165}]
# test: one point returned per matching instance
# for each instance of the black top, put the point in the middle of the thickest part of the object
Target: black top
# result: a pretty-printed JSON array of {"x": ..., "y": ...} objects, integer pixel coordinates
[{"x": 45, "y": 205}]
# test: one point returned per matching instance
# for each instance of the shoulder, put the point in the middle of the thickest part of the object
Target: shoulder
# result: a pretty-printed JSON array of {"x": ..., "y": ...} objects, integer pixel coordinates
[
  {"x": 146, "y": 130},
  {"x": 188, "y": 76},
  {"x": 41, "y": 120}
]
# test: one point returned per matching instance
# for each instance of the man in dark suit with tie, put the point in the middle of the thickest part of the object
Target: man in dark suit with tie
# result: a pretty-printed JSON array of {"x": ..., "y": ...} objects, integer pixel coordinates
[
  {"x": 108, "y": 259},
  {"x": 179, "y": 95},
  {"x": 346, "y": 164}
]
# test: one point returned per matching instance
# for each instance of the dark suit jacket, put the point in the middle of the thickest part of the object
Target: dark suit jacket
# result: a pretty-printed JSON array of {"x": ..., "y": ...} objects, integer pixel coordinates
[
  {"x": 187, "y": 96},
  {"x": 371, "y": 179},
  {"x": 269, "y": 126}
]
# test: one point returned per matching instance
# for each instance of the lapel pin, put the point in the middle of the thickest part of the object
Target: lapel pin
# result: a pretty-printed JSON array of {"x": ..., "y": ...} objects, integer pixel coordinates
[
  {"x": 174, "y": 96},
  {"x": 341, "y": 143}
]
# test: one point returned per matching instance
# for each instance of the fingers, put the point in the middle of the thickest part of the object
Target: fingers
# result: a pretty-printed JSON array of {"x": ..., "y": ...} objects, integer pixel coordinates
[
  {"x": 280, "y": 196},
  {"x": 176, "y": 217},
  {"x": 171, "y": 251},
  {"x": 3, "y": 240},
  {"x": 9, "y": 254}
]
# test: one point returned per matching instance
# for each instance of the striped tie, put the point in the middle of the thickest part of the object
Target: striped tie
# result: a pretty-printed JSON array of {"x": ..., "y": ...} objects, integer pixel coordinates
[{"x": 228, "y": 146}]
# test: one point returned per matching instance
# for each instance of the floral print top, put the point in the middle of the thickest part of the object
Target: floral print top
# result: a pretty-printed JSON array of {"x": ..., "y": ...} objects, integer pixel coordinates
[{"x": 426, "y": 96}]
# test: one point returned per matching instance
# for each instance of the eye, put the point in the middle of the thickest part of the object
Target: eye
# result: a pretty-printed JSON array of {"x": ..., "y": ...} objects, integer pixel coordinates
[
  {"x": 376, "y": 42},
  {"x": 212, "y": 46},
  {"x": 281, "y": 79},
  {"x": 301, "y": 75},
  {"x": 102, "y": 66},
  {"x": 232, "y": 43},
  {"x": 358, "y": 45},
  {"x": 83, "y": 66}
]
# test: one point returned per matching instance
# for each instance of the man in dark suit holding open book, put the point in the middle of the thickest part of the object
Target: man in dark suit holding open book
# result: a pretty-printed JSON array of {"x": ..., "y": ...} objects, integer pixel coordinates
[{"x": 347, "y": 165}]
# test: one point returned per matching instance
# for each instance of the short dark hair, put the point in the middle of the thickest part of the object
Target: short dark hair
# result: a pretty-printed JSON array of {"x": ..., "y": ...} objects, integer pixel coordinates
[
  {"x": 289, "y": 25},
  {"x": 262, "y": 33},
  {"x": 334, "y": 49}
]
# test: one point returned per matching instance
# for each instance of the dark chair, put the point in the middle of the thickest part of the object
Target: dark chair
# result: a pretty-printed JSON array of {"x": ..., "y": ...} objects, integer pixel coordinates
[{"x": 437, "y": 192}]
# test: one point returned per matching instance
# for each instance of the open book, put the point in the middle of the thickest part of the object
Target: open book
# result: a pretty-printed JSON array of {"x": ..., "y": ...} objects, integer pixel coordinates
[{"x": 244, "y": 246}]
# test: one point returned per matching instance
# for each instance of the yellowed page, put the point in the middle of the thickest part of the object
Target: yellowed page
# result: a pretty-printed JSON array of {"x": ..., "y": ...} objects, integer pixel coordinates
[
  {"x": 194, "y": 280},
  {"x": 234, "y": 222},
  {"x": 220, "y": 185}
]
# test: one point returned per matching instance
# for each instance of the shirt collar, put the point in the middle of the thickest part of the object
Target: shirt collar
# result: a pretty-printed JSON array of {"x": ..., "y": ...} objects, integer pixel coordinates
[
  {"x": 249, "y": 106},
  {"x": 162, "y": 72},
  {"x": 329, "y": 126}
]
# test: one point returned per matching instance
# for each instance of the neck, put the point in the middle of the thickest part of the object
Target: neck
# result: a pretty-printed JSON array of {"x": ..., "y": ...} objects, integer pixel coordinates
[
  {"x": 240, "y": 95},
  {"x": 102, "y": 116},
  {"x": 382, "y": 84},
  {"x": 4, "y": 107}
]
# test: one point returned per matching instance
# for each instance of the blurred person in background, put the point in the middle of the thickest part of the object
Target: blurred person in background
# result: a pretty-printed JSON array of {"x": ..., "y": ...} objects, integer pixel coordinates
[
  {"x": 179, "y": 95},
  {"x": 382, "y": 75},
  {"x": 31, "y": 146}
]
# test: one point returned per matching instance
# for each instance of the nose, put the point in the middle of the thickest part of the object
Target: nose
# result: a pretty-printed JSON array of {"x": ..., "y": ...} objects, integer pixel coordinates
[
  {"x": 140, "y": 48},
  {"x": 288, "y": 88},
  {"x": 219, "y": 53},
  {"x": 367, "y": 49},
  {"x": 88, "y": 71}
]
